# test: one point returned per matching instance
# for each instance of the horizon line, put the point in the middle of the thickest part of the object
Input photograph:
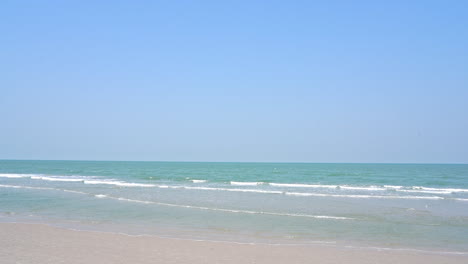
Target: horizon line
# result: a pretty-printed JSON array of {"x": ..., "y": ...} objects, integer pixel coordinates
[{"x": 191, "y": 161}]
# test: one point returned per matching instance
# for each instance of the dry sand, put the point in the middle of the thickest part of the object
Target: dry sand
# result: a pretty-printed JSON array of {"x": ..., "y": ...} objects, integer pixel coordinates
[{"x": 34, "y": 243}]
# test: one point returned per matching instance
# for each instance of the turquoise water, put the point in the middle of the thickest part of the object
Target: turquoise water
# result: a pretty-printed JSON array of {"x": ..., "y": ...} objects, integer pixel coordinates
[{"x": 412, "y": 206}]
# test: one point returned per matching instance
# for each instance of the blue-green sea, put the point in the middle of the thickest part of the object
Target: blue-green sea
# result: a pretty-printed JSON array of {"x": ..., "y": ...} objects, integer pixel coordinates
[{"x": 395, "y": 206}]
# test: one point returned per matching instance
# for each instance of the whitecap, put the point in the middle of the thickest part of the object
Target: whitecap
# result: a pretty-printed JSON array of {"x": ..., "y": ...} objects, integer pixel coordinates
[
  {"x": 246, "y": 183},
  {"x": 15, "y": 175},
  {"x": 233, "y": 210},
  {"x": 364, "y": 196},
  {"x": 118, "y": 183},
  {"x": 301, "y": 185},
  {"x": 198, "y": 181},
  {"x": 63, "y": 179}
]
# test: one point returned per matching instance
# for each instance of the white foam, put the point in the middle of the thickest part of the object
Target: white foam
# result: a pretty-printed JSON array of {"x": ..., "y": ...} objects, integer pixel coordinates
[
  {"x": 231, "y": 210},
  {"x": 393, "y": 186},
  {"x": 422, "y": 191},
  {"x": 40, "y": 188},
  {"x": 300, "y": 185},
  {"x": 25, "y": 187},
  {"x": 327, "y": 186},
  {"x": 415, "y": 189},
  {"x": 84, "y": 179},
  {"x": 94, "y": 180},
  {"x": 304, "y": 193},
  {"x": 198, "y": 181},
  {"x": 132, "y": 184},
  {"x": 271, "y": 192},
  {"x": 364, "y": 196},
  {"x": 118, "y": 183},
  {"x": 110, "y": 182},
  {"x": 47, "y": 178},
  {"x": 239, "y": 211},
  {"x": 227, "y": 189},
  {"x": 439, "y": 189},
  {"x": 15, "y": 175},
  {"x": 397, "y": 188},
  {"x": 246, "y": 183},
  {"x": 369, "y": 188},
  {"x": 63, "y": 179}
]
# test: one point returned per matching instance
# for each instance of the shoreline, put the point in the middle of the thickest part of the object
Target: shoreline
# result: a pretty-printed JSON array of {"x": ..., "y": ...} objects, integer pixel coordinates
[
  {"x": 210, "y": 237},
  {"x": 42, "y": 243}
]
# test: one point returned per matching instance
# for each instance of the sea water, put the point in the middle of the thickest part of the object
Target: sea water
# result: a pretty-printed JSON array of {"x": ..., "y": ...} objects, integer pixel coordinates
[{"x": 396, "y": 206}]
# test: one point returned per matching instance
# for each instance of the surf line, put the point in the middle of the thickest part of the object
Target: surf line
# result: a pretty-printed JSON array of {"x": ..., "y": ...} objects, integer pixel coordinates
[{"x": 100, "y": 196}]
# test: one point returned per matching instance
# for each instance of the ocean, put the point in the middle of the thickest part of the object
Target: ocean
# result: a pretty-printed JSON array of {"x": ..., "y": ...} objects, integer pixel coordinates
[{"x": 384, "y": 206}]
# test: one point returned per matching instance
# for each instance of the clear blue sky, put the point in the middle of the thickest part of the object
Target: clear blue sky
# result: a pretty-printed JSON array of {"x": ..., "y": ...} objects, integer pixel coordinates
[{"x": 305, "y": 81}]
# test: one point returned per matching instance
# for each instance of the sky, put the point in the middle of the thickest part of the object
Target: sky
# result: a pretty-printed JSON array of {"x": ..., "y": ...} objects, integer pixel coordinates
[{"x": 256, "y": 81}]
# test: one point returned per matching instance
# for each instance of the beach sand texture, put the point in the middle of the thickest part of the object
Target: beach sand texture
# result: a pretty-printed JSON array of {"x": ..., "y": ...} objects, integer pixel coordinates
[{"x": 35, "y": 243}]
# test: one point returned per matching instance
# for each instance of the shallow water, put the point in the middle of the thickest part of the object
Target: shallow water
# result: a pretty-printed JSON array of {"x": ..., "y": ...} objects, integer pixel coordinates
[{"x": 383, "y": 205}]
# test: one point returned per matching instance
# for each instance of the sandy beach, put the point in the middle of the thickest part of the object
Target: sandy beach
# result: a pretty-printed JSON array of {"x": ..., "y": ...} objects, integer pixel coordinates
[
  {"x": 235, "y": 132},
  {"x": 34, "y": 243}
]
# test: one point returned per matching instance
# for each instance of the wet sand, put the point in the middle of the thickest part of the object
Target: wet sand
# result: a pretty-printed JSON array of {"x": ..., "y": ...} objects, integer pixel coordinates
[{"x": 35, "y": 243}]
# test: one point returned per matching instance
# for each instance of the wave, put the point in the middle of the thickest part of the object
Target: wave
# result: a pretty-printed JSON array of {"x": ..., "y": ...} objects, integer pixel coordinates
[
  {"x": 15, "y": 175},
  {"x": 45, "y": 178},
  {"x": 388, "y": 188},
  {"x": 300, "y": 185},
  {"x": 344, "y": 187},
  {"x": 39, "y": 188},
  {"x": 198, "y": 181},
  {"x": 413, "y": 189},
  {"x": 370, "y": 188},
  {"x": 185, "y": 206},
  {"x": 393, "y": 186},
  {"x": 366, "y": 196},
  {"x": 232, "y": 210},
  {"x": 25, "y": 187},
  {"x": 439, "y": 189},
  {"x": 299, "y": 194},
  {"x": 422, "y": 191},
  {"x": 118, "y": 183},
  {"x": 217, "y": 189},
  {"x": 245, "y": 183},
  {"x": 312, "y": 194},
  {"x": 83, "y": 179},
  {"x": 227, "y": 189}
]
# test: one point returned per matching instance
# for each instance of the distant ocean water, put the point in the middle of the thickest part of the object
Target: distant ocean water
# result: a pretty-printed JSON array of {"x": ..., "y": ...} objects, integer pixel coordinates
[{"x": 400, "y": 206}]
